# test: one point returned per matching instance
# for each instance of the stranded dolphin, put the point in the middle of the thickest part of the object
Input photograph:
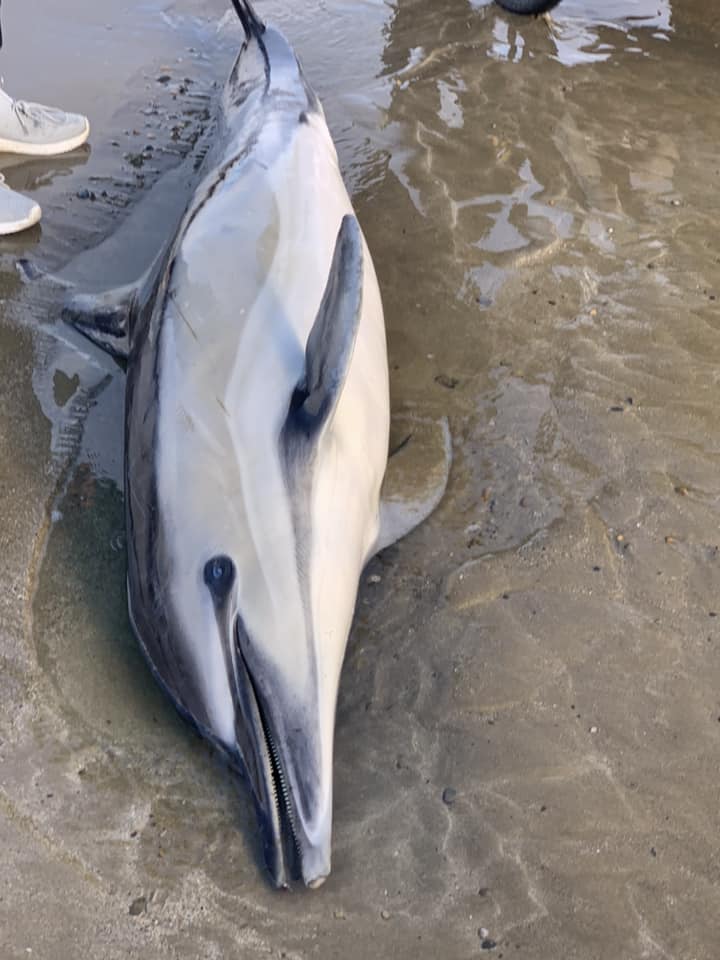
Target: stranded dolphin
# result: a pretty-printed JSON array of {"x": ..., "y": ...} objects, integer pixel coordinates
[{"x": 257, "y": 418}]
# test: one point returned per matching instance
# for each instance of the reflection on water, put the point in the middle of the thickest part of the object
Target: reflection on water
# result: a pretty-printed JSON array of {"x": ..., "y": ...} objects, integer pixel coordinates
[
  {"x": 582, "y": 31},
  {"x": 80, "y": 390},
  {"x": 577, "y": 28}
]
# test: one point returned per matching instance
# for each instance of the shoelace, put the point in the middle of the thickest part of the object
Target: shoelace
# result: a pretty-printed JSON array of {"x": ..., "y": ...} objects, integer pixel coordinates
[{"x": 33, "y": 112}]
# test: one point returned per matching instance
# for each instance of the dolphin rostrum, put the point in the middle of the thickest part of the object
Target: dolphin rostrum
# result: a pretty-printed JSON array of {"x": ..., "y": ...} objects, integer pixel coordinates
[{"x": 257, "y": 418}]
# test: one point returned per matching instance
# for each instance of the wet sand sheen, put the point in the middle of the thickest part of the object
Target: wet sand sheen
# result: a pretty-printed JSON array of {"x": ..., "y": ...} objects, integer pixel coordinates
[{"x": 528, "y": 730}]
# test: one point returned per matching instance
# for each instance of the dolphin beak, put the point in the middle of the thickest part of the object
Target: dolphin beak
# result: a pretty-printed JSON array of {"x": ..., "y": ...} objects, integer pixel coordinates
[{"x": 292, "y": 852}]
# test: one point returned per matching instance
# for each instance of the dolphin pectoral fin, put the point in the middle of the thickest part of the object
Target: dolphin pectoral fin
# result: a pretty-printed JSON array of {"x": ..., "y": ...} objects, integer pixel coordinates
[
  {"x": 332, "y": 339},
  {"x": 104, "y": 318},
  {"x": 417, "y": 475}
]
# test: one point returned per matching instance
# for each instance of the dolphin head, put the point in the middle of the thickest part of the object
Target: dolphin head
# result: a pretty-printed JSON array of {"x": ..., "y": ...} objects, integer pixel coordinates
[{"x": 242, "y": 588}]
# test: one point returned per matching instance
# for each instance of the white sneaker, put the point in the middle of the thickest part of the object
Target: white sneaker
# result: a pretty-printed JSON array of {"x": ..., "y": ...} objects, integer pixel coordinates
[
  {"x": 38, "y": 131},
  {"x": 17, "y": 212}
]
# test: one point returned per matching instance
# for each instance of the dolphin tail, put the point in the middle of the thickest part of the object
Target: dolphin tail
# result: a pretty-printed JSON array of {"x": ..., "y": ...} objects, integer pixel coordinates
[{"x": 252, "y": 24}]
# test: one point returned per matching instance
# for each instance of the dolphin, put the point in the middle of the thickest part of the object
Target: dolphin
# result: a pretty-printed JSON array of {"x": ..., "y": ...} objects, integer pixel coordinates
[{"x": 256, "y": 442}]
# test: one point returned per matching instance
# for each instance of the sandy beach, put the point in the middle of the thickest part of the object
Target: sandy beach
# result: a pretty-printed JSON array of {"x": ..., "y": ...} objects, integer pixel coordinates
[{"x": 528, "y": 733}]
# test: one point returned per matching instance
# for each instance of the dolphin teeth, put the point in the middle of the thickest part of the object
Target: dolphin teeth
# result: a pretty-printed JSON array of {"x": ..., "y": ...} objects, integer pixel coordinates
[
  {"x": 280, "y": 787},
  {"x": 278, "y": 784}
]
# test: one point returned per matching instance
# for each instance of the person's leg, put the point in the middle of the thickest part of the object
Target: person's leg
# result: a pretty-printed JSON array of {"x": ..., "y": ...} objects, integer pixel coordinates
[{"x": 34, "y": 130}]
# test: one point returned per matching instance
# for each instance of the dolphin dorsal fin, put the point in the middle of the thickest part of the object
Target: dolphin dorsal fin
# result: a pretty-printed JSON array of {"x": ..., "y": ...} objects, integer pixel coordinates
[
  {"x": 331, "y": 343},
  {"x": 251, "y": 22}
]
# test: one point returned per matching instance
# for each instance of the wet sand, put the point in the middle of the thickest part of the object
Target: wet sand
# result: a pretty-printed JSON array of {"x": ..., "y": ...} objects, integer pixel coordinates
[{"x": 529, "y": 722}]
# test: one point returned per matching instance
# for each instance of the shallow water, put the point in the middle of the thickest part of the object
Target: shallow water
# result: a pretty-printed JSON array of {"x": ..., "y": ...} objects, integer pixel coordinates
[{"x": 541, "y": 200}]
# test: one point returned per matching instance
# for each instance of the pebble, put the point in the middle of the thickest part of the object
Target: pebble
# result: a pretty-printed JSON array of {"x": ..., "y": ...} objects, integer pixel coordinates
[
  {"x": 445, "y": 381},
  {"x": 138, "y": 906},
  {"x": 449, "y": 796},
  {"x": 488, "y": 944},
  {"x": 385, "y": 914}
]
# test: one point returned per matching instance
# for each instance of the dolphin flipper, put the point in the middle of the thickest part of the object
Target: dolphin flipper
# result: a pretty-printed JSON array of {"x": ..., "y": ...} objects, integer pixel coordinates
[
  {"x": 416, "y": 478},
  {"x": 332, "y": 339}
]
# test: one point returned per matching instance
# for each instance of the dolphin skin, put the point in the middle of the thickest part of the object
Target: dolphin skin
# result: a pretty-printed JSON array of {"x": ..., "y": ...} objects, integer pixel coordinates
[{"x": 257, "y": 418}]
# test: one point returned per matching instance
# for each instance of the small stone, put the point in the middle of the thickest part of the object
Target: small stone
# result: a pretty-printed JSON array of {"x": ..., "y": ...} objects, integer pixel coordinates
[
  {"x": 449, "y": 796},
  {"x": 83, "y": 194},
  {"x": 593, "y": 729},
  {"x": 164, "y": 78},
  {"x": 488, "y": 944},
  {"x": 653, "y": 852},
  {"x": 374, "y": 578},
  {"x": 385, "y": 914},
  {"x": 138, "y": 906},
  {"x": 445, "y": 381},
  {"x": 483, "y": 933}
]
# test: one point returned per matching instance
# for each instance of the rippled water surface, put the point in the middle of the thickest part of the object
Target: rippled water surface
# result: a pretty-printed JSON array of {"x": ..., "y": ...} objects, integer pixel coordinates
[{"x": 541, "y": 200}]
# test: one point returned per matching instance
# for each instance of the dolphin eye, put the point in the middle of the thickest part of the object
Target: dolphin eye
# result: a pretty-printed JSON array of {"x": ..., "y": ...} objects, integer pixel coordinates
[{"x": 219, "y": 575}]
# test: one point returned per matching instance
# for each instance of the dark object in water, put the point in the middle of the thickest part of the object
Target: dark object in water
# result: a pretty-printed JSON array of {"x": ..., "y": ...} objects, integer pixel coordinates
[{"x": 527, "y": 6}]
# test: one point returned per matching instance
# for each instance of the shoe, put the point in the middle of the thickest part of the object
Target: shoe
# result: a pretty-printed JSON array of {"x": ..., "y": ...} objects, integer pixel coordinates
[
  {"x": 38, "y": 131},
  {"x": 17, "y": 212}
]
